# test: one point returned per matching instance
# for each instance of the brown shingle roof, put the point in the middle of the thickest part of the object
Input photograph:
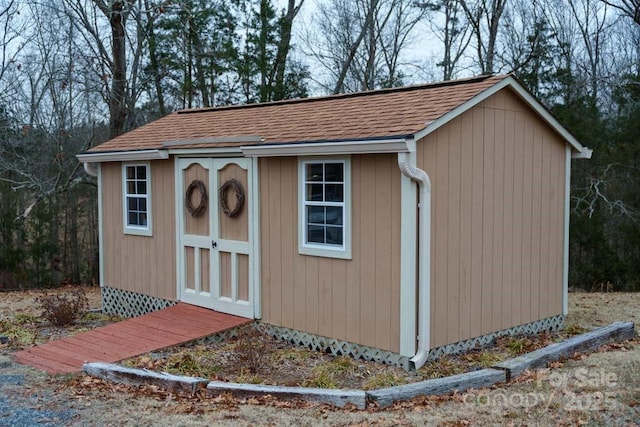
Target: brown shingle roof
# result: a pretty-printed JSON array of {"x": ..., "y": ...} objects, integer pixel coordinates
[{"x": 366, "y": 115}]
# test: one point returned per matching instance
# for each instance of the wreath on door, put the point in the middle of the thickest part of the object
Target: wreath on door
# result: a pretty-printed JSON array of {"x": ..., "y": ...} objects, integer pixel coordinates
[
  {"x": 196, "y": 184},
  {"x": 235, "y": 186}
]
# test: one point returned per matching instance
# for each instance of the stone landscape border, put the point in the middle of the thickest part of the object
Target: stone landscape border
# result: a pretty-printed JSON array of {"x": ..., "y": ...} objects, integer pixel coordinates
[{"x": 500, "y": 373}]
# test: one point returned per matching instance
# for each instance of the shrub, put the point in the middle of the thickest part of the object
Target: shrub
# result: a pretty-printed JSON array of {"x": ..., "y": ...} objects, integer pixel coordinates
[
  {"x": 64, "y": 308},
  {"x": 251, "y": 350}
]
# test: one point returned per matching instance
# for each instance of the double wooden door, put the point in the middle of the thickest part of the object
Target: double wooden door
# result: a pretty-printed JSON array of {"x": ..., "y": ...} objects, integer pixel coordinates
[{"x": 214, "y": 231}]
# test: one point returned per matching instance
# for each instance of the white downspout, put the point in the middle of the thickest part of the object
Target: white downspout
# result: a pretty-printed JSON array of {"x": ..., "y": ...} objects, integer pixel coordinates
[
  {"x": 409, "y": 169},
  {"x": 90, "y": 168}
]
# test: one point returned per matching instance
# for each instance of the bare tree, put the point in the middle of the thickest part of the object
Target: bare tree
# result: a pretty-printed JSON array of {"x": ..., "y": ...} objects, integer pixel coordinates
[
  {"x": 484, "y": 17},
  {"x": 360, "y": 43},
  {"x": 451, "y": 29},
  {"x": 594, "y": 25},
  {"x": 630, "y": 8},
  {"x": 112, "y": 62},
  {"x": 284, "y": 46},
  {"x": 13, "y": 39}
]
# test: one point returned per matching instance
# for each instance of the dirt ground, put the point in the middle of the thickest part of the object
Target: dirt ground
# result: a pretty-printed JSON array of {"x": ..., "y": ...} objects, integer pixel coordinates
[{"x": 602, "y": 388}]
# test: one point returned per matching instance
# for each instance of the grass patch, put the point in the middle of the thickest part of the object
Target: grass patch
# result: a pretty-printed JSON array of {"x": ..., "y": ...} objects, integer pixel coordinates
[
  {"x": 383, "y": 380},
  {"x": 326, "y": 374},
  {"x": 295, "y": 355},
  {"x": 484, "y": 358},
  {"x": 445, "y": 366},
  {"x": 193, "y": 364},
  {"x": 572, "y": 329}
]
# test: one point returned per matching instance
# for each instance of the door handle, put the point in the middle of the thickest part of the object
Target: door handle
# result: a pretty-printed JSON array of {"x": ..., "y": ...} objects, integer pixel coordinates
[{"x": 214, "y": 244}]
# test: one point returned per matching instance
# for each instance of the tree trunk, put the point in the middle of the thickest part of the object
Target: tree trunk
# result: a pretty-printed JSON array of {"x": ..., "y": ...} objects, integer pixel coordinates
[
  {"x": 153, "y": 60},
  {"x": 284, "y": 44},
  {"x": 117, "y": 101}
]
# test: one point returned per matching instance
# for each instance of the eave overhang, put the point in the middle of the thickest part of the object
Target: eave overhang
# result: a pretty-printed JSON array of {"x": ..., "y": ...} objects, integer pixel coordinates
[
  {"x": 123, "y": 156},
  {"x": 397, "y": 144}
]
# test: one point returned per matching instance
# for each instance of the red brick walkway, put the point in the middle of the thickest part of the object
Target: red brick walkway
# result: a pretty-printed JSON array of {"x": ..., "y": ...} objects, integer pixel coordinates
[{"x": 165, "y": 328}]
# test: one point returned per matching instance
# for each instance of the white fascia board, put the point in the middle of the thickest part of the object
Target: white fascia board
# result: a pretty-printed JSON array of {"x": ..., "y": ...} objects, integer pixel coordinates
[
  {"x": 123, "y": 156},
  {"x": 523, "y": 94},
  {"x": 397, "y": 145},
  {"x": 584, "y": 154}
]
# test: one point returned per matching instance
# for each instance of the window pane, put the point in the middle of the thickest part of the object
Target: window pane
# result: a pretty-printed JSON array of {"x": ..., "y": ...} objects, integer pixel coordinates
[
  {"x": 334, "y": 235},
  {"x": 315, "y": 234},
  {"x": 142, "y": 218},
  {"x": 315, "y": 215},
  {"x": 142, "y": 187},
  {"x": 142, "y": 205},
  {"x": 142, "y": 172},
  {"x": 131, "y": 187},
  {"x": 314, "y": 172},
  {"x": 334, "y": 172},
  {"x": 334, "y": 215},
  {"x": 131, "y": 172},
  {"x": 133, "y": 218},
  {"x": 333, "y": 193},
  {"x": 132, "y": 204},
  {"x": 314, "y": 192}
]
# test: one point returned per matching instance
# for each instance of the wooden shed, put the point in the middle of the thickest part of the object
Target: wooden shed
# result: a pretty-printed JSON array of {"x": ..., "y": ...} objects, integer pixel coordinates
[{"x": 394, "y": 225}]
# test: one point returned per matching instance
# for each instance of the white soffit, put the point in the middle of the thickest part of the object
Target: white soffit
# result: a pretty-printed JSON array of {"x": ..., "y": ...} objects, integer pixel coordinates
[{"x": 397, "y": 145}]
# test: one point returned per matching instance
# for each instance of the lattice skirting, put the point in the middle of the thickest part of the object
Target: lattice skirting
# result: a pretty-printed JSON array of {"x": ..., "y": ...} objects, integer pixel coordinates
[
  {"x": 344, "y": 348},
  {"x": 130, "y": 304},
  {"x": 549, "y": 324},
  {"x": 334, "y": 346}
]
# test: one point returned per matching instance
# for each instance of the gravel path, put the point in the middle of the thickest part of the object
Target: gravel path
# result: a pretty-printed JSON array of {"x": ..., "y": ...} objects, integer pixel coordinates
[{"x": 18, "y": 408}]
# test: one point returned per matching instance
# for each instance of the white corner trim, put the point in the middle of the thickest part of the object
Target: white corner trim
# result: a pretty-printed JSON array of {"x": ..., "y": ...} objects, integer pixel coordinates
[
  {"x": 100, "y": 227},
  {"x": 522, "y": 93},
  {"x": 392, "y": 145},
  {"x": 123, "y": 156},
  {"x": 179, "y": 227},
  {"x": 565, "y": 251},
  {"x": 254, "y": 200},
  {"x": 408, "y": 260}
]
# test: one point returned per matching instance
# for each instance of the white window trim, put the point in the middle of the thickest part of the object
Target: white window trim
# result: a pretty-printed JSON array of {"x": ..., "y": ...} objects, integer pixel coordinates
[
  {"x": 343, "y": 252},
  {"x": 132, "y": 229}
]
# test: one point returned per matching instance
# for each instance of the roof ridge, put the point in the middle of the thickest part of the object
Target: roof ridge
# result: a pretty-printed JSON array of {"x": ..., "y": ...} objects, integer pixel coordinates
[{"x": 433, "y": 85}]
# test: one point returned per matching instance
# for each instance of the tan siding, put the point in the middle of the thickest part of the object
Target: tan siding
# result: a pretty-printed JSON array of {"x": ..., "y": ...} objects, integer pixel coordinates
[
  {"x": 507, "y": 262},
  {"x": 138, "y": 263},
  {"x": 497, "y": 305},
  {"x": 355, "y": 300},
  {"x": 466, "y": 215},
  {"x": 498, "y": 186},
  {"x": 477, "y": 118}
]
